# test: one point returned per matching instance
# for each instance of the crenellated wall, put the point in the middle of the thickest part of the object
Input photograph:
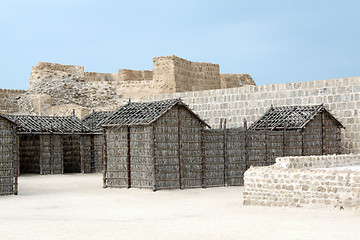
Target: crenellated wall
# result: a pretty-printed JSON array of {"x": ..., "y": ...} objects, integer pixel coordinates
[{"x": 9, "y": 100}]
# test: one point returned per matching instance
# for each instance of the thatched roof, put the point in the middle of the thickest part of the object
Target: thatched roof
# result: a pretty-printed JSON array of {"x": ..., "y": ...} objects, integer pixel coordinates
[
  {"x": 6, "y": 117},
  {"x": 136, "y": 113},
  {"x": 92, "y": 120},
  {"x": 291, "y": 117},
  {"x": 46, "y": 124}
]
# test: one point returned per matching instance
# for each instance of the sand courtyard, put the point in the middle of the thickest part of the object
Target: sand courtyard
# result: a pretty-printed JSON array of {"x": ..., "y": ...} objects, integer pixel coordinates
[{"x": 75, "y": 206}]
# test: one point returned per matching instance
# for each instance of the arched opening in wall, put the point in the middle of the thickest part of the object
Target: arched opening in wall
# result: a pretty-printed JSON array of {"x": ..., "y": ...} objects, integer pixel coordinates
[
  {"x": 29, "y": 153},
  {"x": 72, "y": 157}
]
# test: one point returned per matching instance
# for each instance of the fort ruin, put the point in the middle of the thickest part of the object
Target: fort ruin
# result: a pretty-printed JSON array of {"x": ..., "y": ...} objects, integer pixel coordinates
[{"x": 56, "y": 89}]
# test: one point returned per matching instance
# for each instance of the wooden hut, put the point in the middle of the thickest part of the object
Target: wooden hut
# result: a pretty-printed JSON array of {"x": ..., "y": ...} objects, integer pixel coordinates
[
  {"x": 91, "y": 121},
  {"x": 305, "y": 130},
  {"x": 156, "y": 145},
  {"x": 53, "y": 145},
  {"x": 8, "y": 156}
]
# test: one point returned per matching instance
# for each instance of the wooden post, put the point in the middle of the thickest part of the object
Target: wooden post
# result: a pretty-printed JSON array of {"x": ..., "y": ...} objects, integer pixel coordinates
[
  {"x": 128, "y": 158},
  {"x": 323, "y": 139},
  {"x": 181, "y": 172},
  {"x": 225, "y": 156},
  {"x": 153, "y": 170},
  {"x": 302, "y": 142},
  {"x": 203, "y": 163},
  {"x": 266, "y": 141},
  {"x": 51, "y": 151},
  {"x": 40, "y": 151},
  {"x": 104, "y": 157},
  {"x": 62, "y": 148},
  {"x": 16, "y": 161},
  {"x": 92, "y": 150},
  {"x": 82, "y": 153},
  {"x": 284, "y": 141},
  {"x": 246, "y": 145}
]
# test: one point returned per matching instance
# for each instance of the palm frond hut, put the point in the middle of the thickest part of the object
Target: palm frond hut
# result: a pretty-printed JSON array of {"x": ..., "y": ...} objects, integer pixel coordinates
[
  {"x": 8, "y": 156},
  {"x": 156, "y": 145},
  {"x": 307, "y": 130},
  {"x": 53, "y": 145},
  {"x": 91, "y": 121}
]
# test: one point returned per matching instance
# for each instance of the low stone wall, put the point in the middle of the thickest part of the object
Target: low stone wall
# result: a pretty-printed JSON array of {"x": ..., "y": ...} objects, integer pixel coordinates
[
  {"x": 298, "y": 182},
  {"x": 327, "y": 161}
]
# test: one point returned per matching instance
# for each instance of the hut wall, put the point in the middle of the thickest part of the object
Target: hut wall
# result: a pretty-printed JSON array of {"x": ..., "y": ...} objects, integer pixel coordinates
[
  {"x": 332, "y": 136},
  {"x": 313, "y": 137},
  {"x": 86, "y": 153},
  {"x": 97, "y": 152},
  {"x": 293, "y": 143},
  {"x": 191, "y": 132},
  {"x": 256, "y": 148},
  {"x": 116, "y": 142},
  {"x": 166, "y": 150},
  {"x": 51, "y": 154},
  {"x": 8, "y": 158},
  {"x": 235, "y": 156},
  {"x": 141, "y": 159},
  {"x": 29, "y": 153},
  {"x": 275, "y": 145},
  {"x": 214, "y": 158},
  {"x": 72, "y": 155}
]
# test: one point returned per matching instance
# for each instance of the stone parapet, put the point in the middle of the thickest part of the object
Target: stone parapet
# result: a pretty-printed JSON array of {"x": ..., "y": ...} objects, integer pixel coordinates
[
  {"x": 288, "y": 184},
  {"x": 325, "y": 161}
]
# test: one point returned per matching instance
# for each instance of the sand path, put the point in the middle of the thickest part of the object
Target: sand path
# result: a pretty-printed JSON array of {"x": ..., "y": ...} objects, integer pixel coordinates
[{"x": 76, "y": 206}]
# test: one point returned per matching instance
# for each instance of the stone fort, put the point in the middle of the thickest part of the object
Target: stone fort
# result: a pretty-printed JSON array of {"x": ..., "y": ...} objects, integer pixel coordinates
[{"x": 56, "y": 89}]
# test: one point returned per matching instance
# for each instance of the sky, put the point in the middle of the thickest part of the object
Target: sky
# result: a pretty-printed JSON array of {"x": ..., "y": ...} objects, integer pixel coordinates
[{"x": 274, "y": 41}]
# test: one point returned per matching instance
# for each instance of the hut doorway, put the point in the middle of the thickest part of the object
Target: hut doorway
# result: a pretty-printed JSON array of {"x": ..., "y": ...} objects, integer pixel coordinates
[
  {"x": 29, "y": 152},
  {"x": 72, "y": 156}
]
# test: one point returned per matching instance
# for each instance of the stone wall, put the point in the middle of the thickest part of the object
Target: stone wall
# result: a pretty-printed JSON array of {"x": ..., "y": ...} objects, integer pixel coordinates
[
  {"x": 68, "y": 87},
  {"x": 298, "y": 181},
  {"x": 8, "y": 100},
  {"x": 229, "y": 80},
  {"x": 174, "y": 74},
  {"x": 340, "y": 96},
  {"x": 195, "y": 76},
  {"x": 134, "y": 75}
]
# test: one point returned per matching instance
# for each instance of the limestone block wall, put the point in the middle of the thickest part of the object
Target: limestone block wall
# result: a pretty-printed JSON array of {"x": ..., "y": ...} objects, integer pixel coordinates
[
  {"x": 340, "y": 96},
  {"x": 298, "y": 181},
  {"x": 50, "y": 70},
  {"x": 195, "y": 76},
  {"x": 174, "y": 74},
  {"x": 98, "y": 77},
  {"x": 229, "y": 80},
  {"x": 134, "y": 75},
  {"x": 8, "y": 100},
  {"x": 67, "y": 85}
]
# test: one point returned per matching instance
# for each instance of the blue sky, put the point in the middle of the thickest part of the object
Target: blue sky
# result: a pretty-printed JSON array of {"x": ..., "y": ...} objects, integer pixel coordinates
[{"x": 274, "y": 41}]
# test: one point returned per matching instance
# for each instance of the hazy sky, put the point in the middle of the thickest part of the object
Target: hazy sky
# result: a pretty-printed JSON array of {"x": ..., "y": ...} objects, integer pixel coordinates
[{"x": 274, "y": 41}]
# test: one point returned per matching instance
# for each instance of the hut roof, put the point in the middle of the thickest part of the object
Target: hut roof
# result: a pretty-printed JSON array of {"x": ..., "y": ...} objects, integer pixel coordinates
[
  {"x": 47, "y": 124},
  {"x": 135, "y": 113},
  {"x": 291, "y": 117},
  {"x": 92, "y": 120},
  {"x": 6, "y": 117}
]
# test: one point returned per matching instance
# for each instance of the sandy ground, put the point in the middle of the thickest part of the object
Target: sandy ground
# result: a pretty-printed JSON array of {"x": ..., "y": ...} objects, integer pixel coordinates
[{"x": 77, "y": 207}]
